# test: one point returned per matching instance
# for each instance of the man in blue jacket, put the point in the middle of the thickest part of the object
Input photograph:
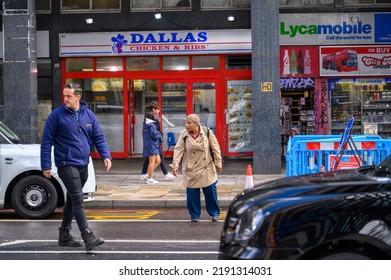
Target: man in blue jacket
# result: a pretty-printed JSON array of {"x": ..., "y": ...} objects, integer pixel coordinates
[{"x": 72, "y": 129}]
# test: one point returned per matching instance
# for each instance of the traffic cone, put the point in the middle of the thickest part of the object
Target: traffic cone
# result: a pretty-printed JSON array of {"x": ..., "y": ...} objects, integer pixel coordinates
[
  {"x": 249, "y": 178},
  {"x": 321, "y": 168}
]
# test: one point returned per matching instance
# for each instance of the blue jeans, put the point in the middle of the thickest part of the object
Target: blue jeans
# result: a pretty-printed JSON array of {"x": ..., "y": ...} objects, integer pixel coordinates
[
  {"x": 74, "y": 179},
  {"x": 194, "y": 201}
]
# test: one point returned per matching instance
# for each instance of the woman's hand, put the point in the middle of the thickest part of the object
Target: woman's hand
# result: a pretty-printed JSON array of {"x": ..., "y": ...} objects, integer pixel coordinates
[{"x": 175, "y": 171}]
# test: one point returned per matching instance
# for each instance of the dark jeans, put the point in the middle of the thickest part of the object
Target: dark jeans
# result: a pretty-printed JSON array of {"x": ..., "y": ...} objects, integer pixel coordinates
[
  {"x": 74, "y": 179},
  {"x": 162, "y": 165},
  {"x": 194, "y": 201}
]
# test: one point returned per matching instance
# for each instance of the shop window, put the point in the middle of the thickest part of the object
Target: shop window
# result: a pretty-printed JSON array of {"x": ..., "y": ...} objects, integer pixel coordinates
[
  {"x": 105, "y": 98},
  {"x": 112, "y": 64},
  {"x": 223, "y": 4},
  {"x": 1, "y": 91},
  {"x": 79, "y": 64},
  {"x": 318, "y": 2},
  {"x": 45, "y": 92},
  {"x": 73, "y": 5},
  {"x": 350, "y": 2},
  {"x": 44, "y": 76},
  {"x": 305, "y": 2},
  {"x": 159, "y": 4},
  {"x": 142, "y": 63},
  {"x": 210, "y": 62},
  {"x": 178, "y": 63},
  {"x": 42, "y": 6},
  {"x": 237, "y": 62}
]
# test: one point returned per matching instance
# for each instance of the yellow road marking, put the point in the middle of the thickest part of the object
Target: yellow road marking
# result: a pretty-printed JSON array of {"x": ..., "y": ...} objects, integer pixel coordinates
[
  {"x": 129, "y": 215},
  {"x": 142, "y": 215}
]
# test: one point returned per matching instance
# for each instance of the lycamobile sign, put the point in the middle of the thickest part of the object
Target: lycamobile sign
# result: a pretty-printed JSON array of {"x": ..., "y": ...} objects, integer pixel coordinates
[
  {"x": 337, "y": 29},
  {"x": 334, "y": 29}
]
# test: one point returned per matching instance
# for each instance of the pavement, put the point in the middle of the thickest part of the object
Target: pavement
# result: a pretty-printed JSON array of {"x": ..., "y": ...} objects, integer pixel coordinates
[{"x": 121, "y": 186}]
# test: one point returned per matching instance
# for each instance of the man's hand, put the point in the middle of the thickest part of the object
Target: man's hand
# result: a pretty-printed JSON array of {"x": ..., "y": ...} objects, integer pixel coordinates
[
  {"x": 47, "y": 173},
  {"x": 219, "y": 168},
  {"x": 108, "y": 164},
  {"x": 175, "y": 171}
]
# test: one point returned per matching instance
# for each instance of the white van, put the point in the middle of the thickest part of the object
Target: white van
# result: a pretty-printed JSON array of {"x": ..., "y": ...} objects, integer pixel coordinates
[{"x": 22, "y": 184}]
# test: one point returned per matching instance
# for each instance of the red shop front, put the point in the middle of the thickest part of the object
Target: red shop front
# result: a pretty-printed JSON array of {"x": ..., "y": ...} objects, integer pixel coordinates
[{"x": 120, "y": 78}]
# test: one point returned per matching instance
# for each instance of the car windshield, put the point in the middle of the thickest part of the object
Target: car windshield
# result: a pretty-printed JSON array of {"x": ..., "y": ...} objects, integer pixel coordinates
[{"x": 9, "y": 134}]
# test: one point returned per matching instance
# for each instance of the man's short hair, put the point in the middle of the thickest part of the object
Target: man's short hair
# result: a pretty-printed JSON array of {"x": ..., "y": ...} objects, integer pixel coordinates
[{"x": 77, "y": 90}]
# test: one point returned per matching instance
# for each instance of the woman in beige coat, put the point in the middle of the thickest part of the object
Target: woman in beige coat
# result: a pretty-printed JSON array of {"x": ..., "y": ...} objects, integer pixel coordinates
[{"x": 199, "y": 168}]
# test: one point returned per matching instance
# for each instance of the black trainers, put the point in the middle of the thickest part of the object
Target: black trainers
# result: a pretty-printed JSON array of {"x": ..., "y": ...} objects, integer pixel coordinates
[
  {"x": 90, "y": 240},
  {"x": 65, "y": 238}
]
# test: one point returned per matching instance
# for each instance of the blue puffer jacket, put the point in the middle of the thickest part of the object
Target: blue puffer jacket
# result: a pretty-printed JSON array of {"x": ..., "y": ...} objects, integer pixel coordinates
[
  {"x": 151, "y": 138},
  {"x": 72, "y": 139}
]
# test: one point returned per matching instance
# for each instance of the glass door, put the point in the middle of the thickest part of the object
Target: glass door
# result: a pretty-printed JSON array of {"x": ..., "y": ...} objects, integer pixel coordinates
[
  {"x": 204, "y": 102},
  {"x": 141, "y": 93},
  {"x": 173, "y": 109}
]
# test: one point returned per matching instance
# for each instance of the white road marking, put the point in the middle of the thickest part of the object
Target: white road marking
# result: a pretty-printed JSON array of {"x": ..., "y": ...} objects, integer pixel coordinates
[{"x": 112, "y": 252}]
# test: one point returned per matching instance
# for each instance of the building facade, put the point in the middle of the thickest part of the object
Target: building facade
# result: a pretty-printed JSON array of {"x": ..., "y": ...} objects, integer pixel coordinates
[{"x": 196, "y": 57}]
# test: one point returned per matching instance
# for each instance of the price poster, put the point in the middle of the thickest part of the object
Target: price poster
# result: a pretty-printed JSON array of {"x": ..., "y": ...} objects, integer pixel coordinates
[{"x": 240, "y": 116}]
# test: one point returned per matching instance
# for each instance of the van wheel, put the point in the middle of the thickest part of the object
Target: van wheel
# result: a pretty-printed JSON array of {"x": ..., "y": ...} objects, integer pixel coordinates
[
  {"x": 345, "y": 256},
  {"x": 34, "y": 197}
]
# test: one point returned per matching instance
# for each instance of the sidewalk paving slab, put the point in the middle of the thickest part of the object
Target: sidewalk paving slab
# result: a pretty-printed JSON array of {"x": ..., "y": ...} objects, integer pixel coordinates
[{"x": 121, "y": 187}]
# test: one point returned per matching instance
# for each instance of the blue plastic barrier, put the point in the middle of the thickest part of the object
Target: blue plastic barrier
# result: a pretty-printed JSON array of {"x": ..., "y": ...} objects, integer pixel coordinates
[{"x": 307, "y": 153}]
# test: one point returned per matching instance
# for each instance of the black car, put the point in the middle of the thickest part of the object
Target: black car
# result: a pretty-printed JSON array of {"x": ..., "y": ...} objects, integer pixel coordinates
[{"x": 344, "y": 214}]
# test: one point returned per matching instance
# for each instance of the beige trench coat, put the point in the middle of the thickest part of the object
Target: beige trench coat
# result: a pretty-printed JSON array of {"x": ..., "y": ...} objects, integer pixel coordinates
[{"x": 198, "y": 168}]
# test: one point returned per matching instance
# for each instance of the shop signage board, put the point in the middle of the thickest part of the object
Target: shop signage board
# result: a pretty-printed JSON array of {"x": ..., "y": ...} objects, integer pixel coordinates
[
  {"x": 295, "y": 29},
  {"x": 155, "y": 43},
  {"x": 335, "y": 29},
  {"x": 355, "y": 60}
]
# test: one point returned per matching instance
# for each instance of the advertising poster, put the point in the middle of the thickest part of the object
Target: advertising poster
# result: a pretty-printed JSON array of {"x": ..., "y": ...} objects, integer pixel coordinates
[
  {"x": 240, "y": 121},
  {"x": 355, "y": 60},
  {"x": 335, "y": 29},
  {"x": 300, "y": 61}
]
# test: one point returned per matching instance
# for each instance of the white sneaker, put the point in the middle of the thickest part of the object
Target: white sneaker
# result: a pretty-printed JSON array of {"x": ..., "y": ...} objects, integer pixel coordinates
[
  {"x": 144, "y": 177},
  {"x": 169, "y": 176},
  {"x": 152, "y": 181}
]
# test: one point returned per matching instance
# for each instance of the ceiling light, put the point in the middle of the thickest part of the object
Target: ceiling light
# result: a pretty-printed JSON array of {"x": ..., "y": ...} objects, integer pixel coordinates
[
  {"x": 231, "y": 18},
  {"x": 89, "y": 21},
  {"x": 158, "y": 16}
]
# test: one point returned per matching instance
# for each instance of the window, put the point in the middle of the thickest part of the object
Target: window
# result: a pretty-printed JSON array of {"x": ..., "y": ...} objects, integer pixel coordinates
[
  {"x": 224, "y": 4},
  {"x": 1, "y": 91},
  {"x": 178, "y": 63},
  {"x": 42, "y": 6},
  {"x": 365, "y": 2},
  {"x": 112, "y": 64},
  {"x": 209, "y": 62},
  {"x": 44, "y": 91},
  {"x": 76, "y": 5},
  {"x": 79, "y": 64},
  {"x": 237, "y": 62},
  {"x": 305, "y": 2},
  {"x": 160, "y": 4},
  {"x": 142, "y": 63}
]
